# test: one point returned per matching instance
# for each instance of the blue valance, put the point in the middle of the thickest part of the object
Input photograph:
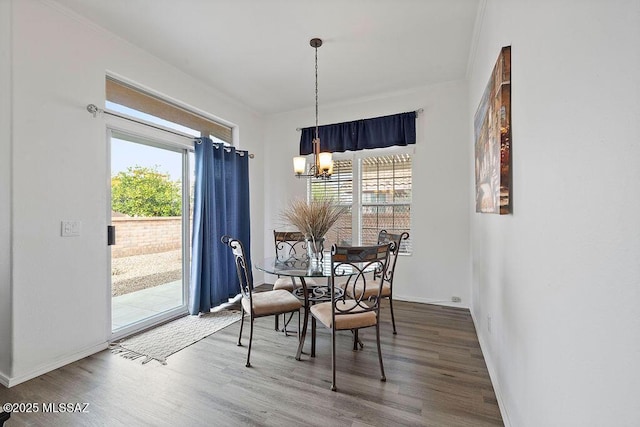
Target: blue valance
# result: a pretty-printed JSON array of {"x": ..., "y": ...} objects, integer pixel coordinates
[{"x": 378, "y": 132}]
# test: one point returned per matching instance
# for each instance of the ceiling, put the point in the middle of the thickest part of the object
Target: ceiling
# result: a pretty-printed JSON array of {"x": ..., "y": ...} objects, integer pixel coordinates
[{"x": 258, "y": 52}]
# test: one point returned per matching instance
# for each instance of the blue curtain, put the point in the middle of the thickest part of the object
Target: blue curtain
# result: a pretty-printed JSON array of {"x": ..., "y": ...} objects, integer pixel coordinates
[
  {"x": 379, "y": 132},
  {"x": 221, "y": 206}
]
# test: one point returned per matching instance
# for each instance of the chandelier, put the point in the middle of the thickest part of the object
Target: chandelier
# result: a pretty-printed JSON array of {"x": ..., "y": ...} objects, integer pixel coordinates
[{"x": 322, "y": 166}]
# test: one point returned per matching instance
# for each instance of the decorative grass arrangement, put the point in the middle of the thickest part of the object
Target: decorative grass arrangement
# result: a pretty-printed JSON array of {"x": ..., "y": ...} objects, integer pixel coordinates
[{"x": 313, "y": 219}]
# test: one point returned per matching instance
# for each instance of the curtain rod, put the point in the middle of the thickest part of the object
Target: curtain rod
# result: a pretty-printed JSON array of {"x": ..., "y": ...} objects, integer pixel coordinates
[
  {"x": 418, "y": 111},
  {"x": 94, "y": 110}
]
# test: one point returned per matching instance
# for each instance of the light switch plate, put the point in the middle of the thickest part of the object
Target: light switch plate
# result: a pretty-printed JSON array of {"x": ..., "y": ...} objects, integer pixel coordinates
[{"x": 70, "y": 228}]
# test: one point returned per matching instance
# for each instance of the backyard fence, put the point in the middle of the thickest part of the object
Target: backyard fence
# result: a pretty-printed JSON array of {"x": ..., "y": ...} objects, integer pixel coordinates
[{"x": 139, "y": 236}]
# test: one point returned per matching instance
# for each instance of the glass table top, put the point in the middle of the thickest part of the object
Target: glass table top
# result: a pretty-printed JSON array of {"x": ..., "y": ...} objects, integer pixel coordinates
[
  {"x": 296, "y": 267},
  {"x": 304, "y": 267}
]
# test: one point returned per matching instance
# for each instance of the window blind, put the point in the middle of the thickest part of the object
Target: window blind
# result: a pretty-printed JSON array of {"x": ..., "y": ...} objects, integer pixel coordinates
[
  {"x": 340, "y": 189},
  {"x": 384, "y": 184},
  {"x": 124, "y": 94},
  {"x": 386, "y": 197}
]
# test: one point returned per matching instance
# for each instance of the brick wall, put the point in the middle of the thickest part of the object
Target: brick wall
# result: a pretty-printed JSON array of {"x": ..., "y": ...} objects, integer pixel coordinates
[{"x": 138, "y": 236}]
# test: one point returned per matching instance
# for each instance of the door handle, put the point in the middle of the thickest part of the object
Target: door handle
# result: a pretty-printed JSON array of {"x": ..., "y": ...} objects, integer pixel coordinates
[{"x": 111, "y": 235}]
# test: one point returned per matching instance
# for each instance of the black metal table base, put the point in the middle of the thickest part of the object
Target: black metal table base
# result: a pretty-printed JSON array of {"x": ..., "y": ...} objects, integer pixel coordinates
[{"x": 310, "y": 296}]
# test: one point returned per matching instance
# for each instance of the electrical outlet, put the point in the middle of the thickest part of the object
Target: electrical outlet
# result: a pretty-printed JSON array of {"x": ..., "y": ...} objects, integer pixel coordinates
[
  {"x": 489, "y": 324},
  {"x": 70, "y": 228},
  {"x": 456, "y": 299}
]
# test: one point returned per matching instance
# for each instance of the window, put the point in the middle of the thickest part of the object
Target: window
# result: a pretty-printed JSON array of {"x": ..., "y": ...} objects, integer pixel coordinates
[
  {"x": 386, "y": 197},
  {"x": 136, "y": 103},
  {"x": 382, "y": 198},
  {"x": 340, "y": 189}
]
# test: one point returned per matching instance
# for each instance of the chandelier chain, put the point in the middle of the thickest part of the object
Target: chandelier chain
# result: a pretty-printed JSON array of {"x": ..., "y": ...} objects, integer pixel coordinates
[
  {"x": 322, "y": 164},
  {"x": 316, "y": 93}
]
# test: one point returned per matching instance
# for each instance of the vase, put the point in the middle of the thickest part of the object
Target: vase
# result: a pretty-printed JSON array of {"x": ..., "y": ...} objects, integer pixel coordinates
[{"x": 315, "y": 249}]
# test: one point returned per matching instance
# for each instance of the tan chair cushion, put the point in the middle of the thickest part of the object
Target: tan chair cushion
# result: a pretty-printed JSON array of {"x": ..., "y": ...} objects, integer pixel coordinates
[
  {"x": 286, "y": 283},
  {"x": 272, "y": 302},
  {"x": 283, "y": 283},
  {"x": 354, "y": 320},
  {"x": 372, "y": 289}
]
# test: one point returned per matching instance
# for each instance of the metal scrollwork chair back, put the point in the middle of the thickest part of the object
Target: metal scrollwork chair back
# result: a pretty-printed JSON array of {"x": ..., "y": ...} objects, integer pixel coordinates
[
  {"x": 384, "y": 278},
  {"x": 289, "y": 245},
  {"x": 258, "y": 304},
  {"x": 357, "y": 312},
  {"x": 244, "y": 272}
]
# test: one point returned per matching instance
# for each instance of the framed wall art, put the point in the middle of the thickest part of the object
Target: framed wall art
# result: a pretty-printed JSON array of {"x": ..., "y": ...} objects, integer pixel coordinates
[{"x": 492, "y": 129}]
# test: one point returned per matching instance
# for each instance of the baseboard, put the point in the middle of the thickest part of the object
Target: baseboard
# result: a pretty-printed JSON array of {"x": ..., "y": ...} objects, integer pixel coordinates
[
  {"x": 492, "y": 374},
  {"x": 447, "y": 303},
  {"x": 4, "y": 380},
  {"x": 48, "y": 367},
  {"x": 405, "y": 298}
]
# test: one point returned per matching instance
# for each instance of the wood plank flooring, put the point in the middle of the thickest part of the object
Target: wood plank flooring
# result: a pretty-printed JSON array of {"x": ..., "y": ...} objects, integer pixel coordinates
[{"x": 436, "y": 376}]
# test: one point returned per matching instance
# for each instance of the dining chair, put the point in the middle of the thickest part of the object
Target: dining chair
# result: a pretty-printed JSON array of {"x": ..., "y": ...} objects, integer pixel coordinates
[
  {"x": 354, "y": 262},
  {"x": 289, "y": 244},
  {"x": 258, "y": 304},
  {"x": 385, "y": 277}
]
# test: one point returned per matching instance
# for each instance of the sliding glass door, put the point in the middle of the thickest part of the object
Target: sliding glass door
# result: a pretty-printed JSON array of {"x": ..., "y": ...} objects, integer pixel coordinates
[{"x": 150, "y": 216}]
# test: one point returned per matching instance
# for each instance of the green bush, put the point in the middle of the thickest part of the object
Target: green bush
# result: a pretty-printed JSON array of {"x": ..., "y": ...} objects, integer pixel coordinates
[{"x": 143, "y": 191}]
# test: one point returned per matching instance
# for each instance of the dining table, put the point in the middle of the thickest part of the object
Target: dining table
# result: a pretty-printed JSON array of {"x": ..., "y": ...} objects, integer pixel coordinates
[{"x": 301, "y": 268}]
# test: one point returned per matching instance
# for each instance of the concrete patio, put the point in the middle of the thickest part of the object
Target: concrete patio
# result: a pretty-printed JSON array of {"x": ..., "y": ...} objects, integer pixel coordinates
[{"x": 139, "y": 305}]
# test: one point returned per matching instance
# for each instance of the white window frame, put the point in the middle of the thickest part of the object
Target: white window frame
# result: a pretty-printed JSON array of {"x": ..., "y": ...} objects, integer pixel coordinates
[
  {"x": 356, "y": 158},
  {"x": 118, "y": 127}
]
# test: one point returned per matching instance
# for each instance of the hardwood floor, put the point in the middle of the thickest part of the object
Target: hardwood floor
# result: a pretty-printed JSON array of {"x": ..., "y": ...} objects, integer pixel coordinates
[{"x": 436, "y": 376}]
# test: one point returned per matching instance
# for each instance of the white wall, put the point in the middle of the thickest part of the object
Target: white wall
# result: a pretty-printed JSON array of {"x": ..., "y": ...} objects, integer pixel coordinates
[
  {"x": 439, "y": 267},
  {"x": 5, "y": 190},
  {"x": 560, "y": 278},
  {"x": 60, "y": 171}
]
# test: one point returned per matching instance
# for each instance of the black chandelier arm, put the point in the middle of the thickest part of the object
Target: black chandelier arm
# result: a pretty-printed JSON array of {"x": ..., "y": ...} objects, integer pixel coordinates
[{"x": 313, "y": 173}]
